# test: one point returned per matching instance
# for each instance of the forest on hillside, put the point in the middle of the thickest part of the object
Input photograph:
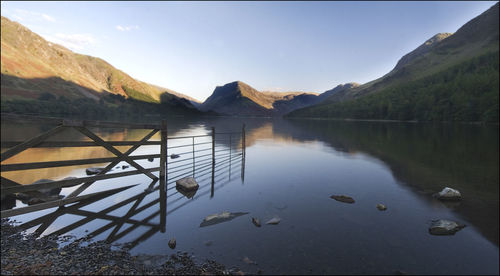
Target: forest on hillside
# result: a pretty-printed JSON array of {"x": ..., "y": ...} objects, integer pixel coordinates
[{"x": 467, "y": 91}]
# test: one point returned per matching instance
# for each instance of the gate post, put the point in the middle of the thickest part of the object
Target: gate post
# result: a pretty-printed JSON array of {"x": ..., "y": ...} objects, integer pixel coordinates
[{"x": 163, "y": 176}]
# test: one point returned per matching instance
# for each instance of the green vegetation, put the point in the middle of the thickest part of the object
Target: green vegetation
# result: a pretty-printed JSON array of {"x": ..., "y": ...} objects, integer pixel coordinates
[
  {"x": 134, "y": 94},
  {"x": 465, "y": 92},
  {"x": 109, "y": 106}
]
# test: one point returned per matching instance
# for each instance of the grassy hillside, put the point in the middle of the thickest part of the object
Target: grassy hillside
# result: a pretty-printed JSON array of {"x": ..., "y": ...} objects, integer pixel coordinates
[
  {"x": 32, "y": 67},
  {"x": 449, "y": 77}
]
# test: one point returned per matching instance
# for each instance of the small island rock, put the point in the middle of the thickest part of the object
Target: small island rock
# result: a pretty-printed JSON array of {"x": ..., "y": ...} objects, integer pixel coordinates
[{"x": 448, "y": 194}]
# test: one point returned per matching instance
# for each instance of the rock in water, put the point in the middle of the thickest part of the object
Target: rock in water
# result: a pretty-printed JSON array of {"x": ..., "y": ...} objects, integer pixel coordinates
[
  {"x": 381, "y": 207},
  {"x": 248, "y": 261},
  {"x": 273, "y": 221},
  {"x": 187, "y": 184},
  {"x": 172, "y": 243},
  {"x": 218, "y": 218},
  {"x": 49, "y": 191},
  {"x": 343, "y": 198},
  {"x": 256, "y": 221},
  {"x": 91, "y": 171},
  {"x": 445, "y": 227},
  {"x": 448, "y": 194},
  {"x": 173, "y": 156}
]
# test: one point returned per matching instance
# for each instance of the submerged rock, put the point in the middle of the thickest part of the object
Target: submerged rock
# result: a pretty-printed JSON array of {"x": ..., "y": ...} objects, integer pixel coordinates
[
  {"x": 91, "y": 171},
  {"x": 381, "y": 207},
  {"x": 448, "y": 194},
  {"x": 445, "y": 227},
  {"x": 256, "y": 222},
  {"x": 219, "y": 218},
  {"x": 209, "y": 243},
  {"x": 248, "y": 261},
  {"x": 343, "y": 198},
  {"x": 173, "y": 156},
  {"x": 274, "y": 221},
  {"x": 172, "y": 243},
  {"x": 49, "y": 191}
]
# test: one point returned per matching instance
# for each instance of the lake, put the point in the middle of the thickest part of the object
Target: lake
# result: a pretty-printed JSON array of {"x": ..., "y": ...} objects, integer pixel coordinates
[{"x": 290, "y": 170}]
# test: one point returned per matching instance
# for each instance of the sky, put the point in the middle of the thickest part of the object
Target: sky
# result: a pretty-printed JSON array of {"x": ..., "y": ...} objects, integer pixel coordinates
[{"x": 192, "y": 47}]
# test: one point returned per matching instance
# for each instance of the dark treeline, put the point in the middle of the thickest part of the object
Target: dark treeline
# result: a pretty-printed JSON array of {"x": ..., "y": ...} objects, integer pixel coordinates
[
  {"x": 465, "y": 92},
  {"x": 109, "y": 106}
]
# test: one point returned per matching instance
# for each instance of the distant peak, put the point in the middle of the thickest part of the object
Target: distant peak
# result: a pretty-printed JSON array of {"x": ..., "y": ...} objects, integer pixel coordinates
[
  {"x": 437, "y": 38},
  {"x": 422, "y": 49}
]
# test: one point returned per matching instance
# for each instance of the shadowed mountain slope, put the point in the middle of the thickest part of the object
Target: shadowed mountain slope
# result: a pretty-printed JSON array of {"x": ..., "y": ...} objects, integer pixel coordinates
[{"x": 35, "y": 63}]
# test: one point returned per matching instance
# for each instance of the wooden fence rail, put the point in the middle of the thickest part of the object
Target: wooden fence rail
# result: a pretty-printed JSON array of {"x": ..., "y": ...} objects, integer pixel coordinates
[{"x": 9, "y": 186}]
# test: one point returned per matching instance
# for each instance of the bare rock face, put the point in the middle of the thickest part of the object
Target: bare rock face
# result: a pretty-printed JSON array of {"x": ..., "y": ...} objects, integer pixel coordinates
[
  {"x": 343, "y": 198},
  {"x": 187, "y": 184},
  {"x": 448, "y": 194},
  {"x": 445, "y": 227}
]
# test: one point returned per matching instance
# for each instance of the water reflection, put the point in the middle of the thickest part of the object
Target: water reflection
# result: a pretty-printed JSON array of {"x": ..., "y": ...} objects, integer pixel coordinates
[{"x": 293, "y": 167}]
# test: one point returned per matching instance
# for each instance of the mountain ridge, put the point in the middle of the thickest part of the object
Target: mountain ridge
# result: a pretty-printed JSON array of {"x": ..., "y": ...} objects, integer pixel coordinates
[
  {"x": 28, "y": 56},
  {"x": 239, "y": 98}
]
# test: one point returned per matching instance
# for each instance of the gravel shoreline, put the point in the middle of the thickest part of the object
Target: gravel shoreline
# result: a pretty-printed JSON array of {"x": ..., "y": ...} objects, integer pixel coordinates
[{"x": 25, "y": 254}]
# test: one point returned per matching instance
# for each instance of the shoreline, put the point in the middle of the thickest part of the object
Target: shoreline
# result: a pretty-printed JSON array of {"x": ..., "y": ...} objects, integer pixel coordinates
[{"x": 25, "y": 254}]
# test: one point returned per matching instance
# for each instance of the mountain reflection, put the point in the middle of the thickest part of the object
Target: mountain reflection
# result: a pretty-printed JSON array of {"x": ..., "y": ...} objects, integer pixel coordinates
[{"x": 424, "y": 157}]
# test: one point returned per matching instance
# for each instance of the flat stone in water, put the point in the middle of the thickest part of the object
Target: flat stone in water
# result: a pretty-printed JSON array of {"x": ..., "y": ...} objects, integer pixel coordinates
[
  {"x": 381, "y": 207},
  {"x": 343, "y": 198},
  {"x": 219, "y": 218},
  {"x": 445, "y": 227},
  {"x": 91, "y": 171},
  {"x": 273, "y": 221}
]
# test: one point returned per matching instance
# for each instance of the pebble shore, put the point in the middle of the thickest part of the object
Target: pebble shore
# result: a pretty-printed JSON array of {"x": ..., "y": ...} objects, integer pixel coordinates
[{"x": 24, "y": 254}]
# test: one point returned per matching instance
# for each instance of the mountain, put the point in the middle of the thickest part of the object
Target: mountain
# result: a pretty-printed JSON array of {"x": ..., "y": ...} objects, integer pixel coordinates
[
  {"x": 238, "y": 98},
  {"x": 32, "y": 67},
  {"x": 451, "y": 77}
]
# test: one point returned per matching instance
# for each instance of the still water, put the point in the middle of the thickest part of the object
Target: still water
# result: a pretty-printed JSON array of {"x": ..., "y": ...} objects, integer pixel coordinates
[{"x": 290, "y": 170}]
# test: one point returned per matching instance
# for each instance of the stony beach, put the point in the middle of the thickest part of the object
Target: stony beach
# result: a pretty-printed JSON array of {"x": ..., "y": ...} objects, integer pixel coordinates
[{"x": 24, "y": 254}]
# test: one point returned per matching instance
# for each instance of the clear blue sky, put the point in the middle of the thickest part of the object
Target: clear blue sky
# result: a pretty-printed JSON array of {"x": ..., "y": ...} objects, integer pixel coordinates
[{"x": 192, "y": 47}]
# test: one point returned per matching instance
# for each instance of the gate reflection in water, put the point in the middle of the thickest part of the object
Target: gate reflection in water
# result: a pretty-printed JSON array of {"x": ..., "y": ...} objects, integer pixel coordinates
[{"x": 212, "y": 159}]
